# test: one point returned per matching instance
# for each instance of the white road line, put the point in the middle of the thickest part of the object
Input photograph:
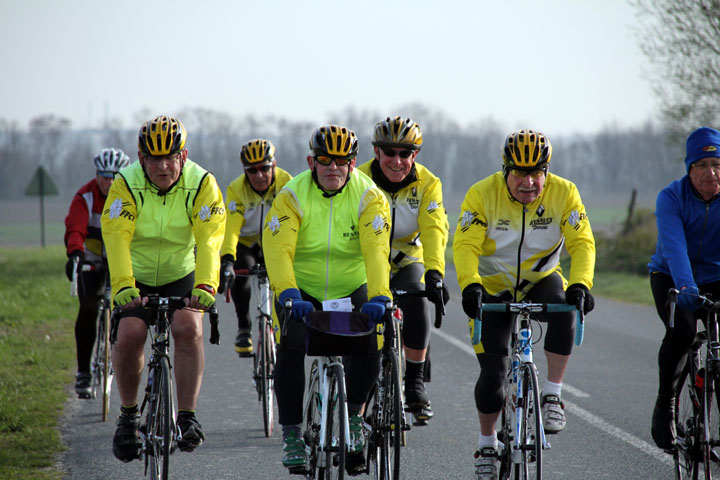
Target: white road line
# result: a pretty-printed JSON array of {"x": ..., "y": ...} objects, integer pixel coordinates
[{"x": 579, "y": 411}]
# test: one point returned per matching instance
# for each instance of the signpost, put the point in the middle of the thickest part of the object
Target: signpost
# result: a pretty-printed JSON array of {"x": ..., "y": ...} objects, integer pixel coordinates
[{"x": 41, "y": 185}]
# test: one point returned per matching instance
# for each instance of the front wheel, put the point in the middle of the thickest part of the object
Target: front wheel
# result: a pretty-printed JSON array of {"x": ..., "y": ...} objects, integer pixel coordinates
[
  {"x": 311, "y": 415},
  {"x": 266, "y": 352},
  {"x": 160, "y": 422},
  {"x": 392, "y": 419},
  {"x": 335, "y": 426},
  {"x": 531, "y": 434},
  {"x": 107, "y": 373},
  {"x": 711, "y": 439},
  {"x": 687, "y": 453}
]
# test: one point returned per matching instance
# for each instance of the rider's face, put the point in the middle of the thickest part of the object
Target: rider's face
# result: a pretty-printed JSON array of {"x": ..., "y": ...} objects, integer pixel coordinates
[{"x": 163, "y": 172}]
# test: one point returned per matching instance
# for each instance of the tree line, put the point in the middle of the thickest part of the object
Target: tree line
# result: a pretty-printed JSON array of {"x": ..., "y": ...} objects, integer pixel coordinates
[{"x": 609, "y": 163}]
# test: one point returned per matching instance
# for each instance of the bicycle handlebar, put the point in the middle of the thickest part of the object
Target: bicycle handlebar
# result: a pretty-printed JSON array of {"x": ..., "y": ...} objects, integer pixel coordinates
[
  {"x": 529, "y": 307},
  {"x": 439, "y": 306},
  {"x": 705, "y": 302}
]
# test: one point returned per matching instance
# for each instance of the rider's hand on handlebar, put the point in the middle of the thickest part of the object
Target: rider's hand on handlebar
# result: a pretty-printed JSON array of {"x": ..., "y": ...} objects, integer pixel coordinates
[
  {"x": 227, "y": 273},
  {"x": 71, "y": 262},
  {"x": 128, "y": 298},
  {"x": 435, "y": 294},
  {"x": 375, "y": 308},
  {"x": 300, "y": 307},
  {"x": 202, "y": 297},
  {"x": 573, "y": 292},
  {"x": 470, "y": 296},
  {"x": 688, "y": 298}
]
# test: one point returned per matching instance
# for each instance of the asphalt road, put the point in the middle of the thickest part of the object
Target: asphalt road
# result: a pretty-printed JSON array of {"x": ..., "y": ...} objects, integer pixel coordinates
[{"x": 609, "y": 393}]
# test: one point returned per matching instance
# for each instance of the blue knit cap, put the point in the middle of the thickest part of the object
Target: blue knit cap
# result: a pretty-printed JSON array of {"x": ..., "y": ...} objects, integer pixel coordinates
[{"x": 702, "y": 143}]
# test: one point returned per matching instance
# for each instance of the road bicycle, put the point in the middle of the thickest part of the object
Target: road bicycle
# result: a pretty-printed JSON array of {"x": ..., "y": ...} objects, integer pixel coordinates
[
  {"x": 100, "y": 364},
  {"x": 521, "y": 430},
  {"x": 326, "y": 426},
  {"x": 159, "y": 432},
  {"x": 264, "y": 355},
  {"x": 385, "y": 417},
  {"x": 698, "y": 420}
]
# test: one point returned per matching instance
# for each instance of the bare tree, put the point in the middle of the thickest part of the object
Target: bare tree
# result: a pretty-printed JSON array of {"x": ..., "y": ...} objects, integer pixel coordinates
[
  {"x": 49, "y": 131},
  {"x": 681, "y": 38}
]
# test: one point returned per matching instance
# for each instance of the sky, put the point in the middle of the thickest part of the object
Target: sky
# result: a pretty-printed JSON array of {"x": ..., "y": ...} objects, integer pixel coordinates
[{"x": 559, "y": 66}]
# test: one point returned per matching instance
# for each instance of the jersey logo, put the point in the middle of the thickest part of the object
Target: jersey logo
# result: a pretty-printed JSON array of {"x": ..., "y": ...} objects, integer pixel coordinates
[
  {"x": 274, "y": 224},
  {"x": 574, "y": 218},
  {"x": 208, "y": 211},
  {"x": 352, "y": 234},
  {"x": 378, "y": 223},
  {"x": 470, "y": 218},
  {"x": 232, "y": 206},
  {"x": 115, "y": 209},
  {"x": 432, "y": 206}
]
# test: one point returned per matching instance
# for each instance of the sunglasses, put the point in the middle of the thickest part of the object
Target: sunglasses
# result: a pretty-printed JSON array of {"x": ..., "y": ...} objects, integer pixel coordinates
[
  {"x": 326, "y": 161},
  {"x": 535, "y": 174},
  {"x": 391, "y": 152},
  {"x": 256, "y": 170}
]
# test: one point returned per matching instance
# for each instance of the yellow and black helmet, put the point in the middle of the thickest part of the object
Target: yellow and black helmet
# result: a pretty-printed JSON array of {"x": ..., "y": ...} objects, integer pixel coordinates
[
  {"x": 257, "y": 151},
  {"x": 161, "y": 136},
  {"x": 398, "y": 132},
  {"x": 526, "y": 150},
  {"x": 334, "y": 141}
]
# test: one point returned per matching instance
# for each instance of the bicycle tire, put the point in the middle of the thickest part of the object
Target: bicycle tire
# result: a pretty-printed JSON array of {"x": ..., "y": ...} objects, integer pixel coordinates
[
  {"x": 106, "y": 366},
  {"x": 687, "y": 453},
  {"x": 392, "y": 421},
  {"x": 311, "y": 415},
  {"x": 160, "y": 422},
  {"x": 267, "y": 364},
  {"x": 374, "y": 439},
  {"x": 530, "y": 466},
  {"x": 505, "y": 434},
  {"x": 335, "y": 446},
  {"x": 96, "y": 362},
  {"x": 399, "y": 352},
  {"x": 711, "y": 459}
]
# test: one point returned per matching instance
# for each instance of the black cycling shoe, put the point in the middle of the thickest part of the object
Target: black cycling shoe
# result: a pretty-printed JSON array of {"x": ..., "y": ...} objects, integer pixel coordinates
[
  {"x": 244, "y": 344},
  {"x": 417, "y": 403},
  {"x": 663, "y": 426},
  {"x": 355, "y": 463},
  {"x": 82, "y": 385},
  {"x": 191, "y": 435},
  {"x": 126, "y": 444}
]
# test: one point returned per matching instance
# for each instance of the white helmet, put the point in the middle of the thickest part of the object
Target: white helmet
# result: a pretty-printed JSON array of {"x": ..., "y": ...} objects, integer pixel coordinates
[{"x": 111, "y": 160}]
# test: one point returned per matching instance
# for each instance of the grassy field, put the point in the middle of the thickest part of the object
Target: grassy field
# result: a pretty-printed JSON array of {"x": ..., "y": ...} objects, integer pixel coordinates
[{"x": 37, "y": 352}]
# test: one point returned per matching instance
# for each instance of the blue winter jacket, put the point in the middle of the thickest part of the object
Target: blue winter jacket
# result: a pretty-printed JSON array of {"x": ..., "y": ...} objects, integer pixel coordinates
[{"x": 688, "y": 244}]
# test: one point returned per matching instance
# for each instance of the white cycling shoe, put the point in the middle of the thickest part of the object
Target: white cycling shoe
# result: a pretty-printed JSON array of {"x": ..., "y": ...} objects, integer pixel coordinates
[
  {"x": 486, "y": 460},
  {"x": 552, "y": 413}
]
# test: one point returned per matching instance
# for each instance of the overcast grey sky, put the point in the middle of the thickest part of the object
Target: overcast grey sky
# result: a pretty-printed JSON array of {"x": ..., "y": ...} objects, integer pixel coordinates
[{"x": 559, "y": 66}]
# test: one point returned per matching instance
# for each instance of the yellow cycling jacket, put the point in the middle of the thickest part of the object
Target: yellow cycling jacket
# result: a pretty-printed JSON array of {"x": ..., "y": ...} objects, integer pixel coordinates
[
  {"x": 328, "y": 246},
  {"x": 495, "y": 230},
  {"x": 151, "y": 238},
  {"x": 420, "y": 225},
  {"x": 247, "y": 209}
]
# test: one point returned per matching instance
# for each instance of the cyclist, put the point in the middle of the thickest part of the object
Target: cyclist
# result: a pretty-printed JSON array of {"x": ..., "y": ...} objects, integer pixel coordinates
[
  {"x": 687, "y": 257},
  {"x": 418, "y": 238},
  {"x": 248, "y": 199},
  {"x": 162, "y": 209},
  {"x": 84, "y": 243},
  {"x": 329, "y": 233},
  {"x": 507, "y": 247}
]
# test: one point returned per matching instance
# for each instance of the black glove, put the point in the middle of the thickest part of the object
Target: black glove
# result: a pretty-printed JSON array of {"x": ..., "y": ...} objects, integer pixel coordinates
[
  {"x": 71, "y": 262},
  {"x": 573, "y": 292},
  {"x": 227, "y": 273},
  {"x": 434, "y": 294},
  {"x": 470, "y": 296}
]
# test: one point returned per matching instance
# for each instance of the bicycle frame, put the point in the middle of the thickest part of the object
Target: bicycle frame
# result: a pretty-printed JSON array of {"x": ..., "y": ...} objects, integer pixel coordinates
[{"x": 521, "y": 360}]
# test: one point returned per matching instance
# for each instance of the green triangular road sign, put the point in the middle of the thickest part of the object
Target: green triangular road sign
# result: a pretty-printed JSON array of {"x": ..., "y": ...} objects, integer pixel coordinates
[{"x": 41, "y": 184}]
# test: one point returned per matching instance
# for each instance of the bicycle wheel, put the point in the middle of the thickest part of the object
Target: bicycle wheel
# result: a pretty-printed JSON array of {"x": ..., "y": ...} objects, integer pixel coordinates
[
  {"x": 266, "y": 352},
  {"x": 530, "y": 466},
  {"x": 107, "y": 373},
  {"x": 160, "y": 422},
  {"x": 311, "y": 415},
  {"x": 505, "y": 437},
  {"x": 96, "y": 362},
  {"x": 711, "y": 434},
  {"x": 687, "y": 454},
  {"x": 374, "y": 439},
  {"x": 335, "y": 425},
  {"x": 392, "y": 421}
]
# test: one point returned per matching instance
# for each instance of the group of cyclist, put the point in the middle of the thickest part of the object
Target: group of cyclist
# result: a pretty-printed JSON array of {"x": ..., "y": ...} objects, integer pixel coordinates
[{"x": 340, "y": 232}]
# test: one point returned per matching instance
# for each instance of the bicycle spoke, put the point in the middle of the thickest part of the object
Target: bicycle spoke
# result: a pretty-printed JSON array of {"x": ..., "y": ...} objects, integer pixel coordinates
[{"x": 688, "y": 414}]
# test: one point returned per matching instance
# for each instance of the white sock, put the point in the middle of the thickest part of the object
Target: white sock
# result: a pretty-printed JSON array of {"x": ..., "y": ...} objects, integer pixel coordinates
[
  {"x": 552, "y": 388},
  {"x": 487, "y": 441}
]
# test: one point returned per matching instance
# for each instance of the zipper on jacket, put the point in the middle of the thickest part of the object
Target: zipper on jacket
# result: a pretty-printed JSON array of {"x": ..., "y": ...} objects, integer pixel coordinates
[
  {"x": 327, "y": 252},
  {"x": 702, "y": 234},
  {"x": 393, "y": 204},
  {"x": 519, "y": 254}
]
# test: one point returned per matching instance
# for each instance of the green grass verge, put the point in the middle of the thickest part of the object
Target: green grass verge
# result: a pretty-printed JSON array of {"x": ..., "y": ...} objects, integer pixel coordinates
[
  {"x": 31, "y": 234},
  {"x": 37, "y": 358},
  {"x": 624, "y": 287}
]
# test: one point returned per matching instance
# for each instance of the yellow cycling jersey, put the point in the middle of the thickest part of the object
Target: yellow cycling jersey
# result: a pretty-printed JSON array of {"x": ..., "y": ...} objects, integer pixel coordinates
[
  {"x": 151, "y": 238},
  {"x": 246, "y": 211},
  {"x": 419, "y": 221},
  {"x": 328, "y": 246},
  {"x": 495, "y": 233}
]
